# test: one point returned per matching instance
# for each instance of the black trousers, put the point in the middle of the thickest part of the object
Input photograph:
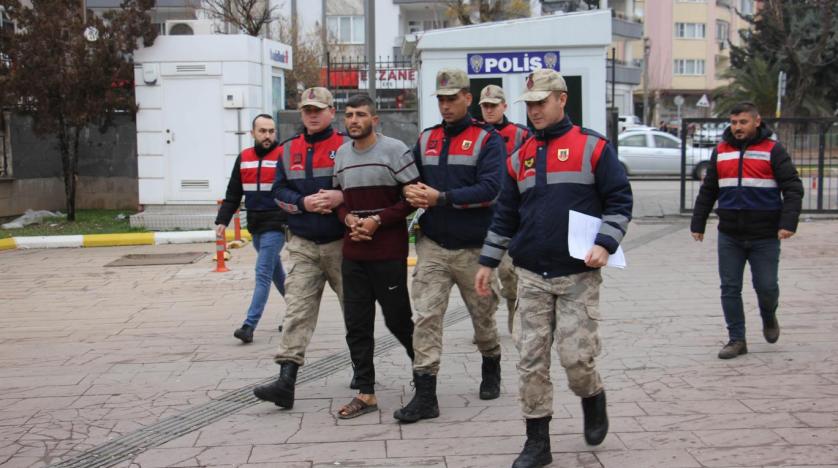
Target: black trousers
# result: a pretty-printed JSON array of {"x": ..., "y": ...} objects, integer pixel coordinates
[{"x": 364, "y": 283}]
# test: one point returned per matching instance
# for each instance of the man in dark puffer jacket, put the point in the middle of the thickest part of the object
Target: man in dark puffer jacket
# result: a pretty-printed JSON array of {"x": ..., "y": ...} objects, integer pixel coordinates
[{"x": 759, "y": 195}]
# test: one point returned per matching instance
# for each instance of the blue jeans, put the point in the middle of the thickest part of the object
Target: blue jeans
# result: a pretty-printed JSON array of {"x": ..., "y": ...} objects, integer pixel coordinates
[
  {"x": 268, "y": 268},
  {"x": 764, "y": 257}
]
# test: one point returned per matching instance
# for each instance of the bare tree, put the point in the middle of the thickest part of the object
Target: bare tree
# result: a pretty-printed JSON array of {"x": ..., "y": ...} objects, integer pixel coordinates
[
  {"x": 307, "y": 58},
  {"x": 484, "y": 11},
  {"x": 249, "y": 16}
]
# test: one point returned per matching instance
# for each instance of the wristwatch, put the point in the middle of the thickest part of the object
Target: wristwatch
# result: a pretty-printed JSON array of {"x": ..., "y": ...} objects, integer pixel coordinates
[{"x": 376, "y": 218}]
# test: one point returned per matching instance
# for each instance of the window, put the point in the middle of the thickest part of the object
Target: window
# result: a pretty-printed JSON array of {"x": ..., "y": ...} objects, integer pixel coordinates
[
  {"x": 346, "y": 29},
  {"x": 637, "y": 141},
  {"x": 692, "y": 1},
  {"x": 722, "y": 31},
  {"x": 666, "y": 142},
  {"x": 690, "y": 30},
  {"x": 414, "y": 26},
  {"x": 689, "y": 67},
  {"x": 746, "y": 7}
]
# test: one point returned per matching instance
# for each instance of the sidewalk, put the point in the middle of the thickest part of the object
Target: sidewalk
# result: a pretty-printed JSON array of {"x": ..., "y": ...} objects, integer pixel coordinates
[{"x": 100, "y": 357}]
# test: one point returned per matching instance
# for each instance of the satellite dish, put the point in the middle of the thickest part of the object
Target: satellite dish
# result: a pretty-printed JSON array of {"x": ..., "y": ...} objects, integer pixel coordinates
[
  {"x": 91, "y": 34},
  {"x": 181, "y": 29}
]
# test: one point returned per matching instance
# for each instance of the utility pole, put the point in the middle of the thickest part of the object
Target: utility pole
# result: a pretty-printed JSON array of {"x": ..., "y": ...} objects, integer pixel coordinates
[
  {"x": 294, "y": 26},
  {"x": 647, "y": 49},
  {"x": 370, "y": 30}
]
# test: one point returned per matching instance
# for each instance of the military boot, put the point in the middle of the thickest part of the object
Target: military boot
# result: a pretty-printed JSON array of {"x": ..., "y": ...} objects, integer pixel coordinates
[
  {"x": 537, "y": 447},
  {"x": 596, "y": 419},
  {"x": 281, "y": 390},
  {"x": 424, "y": 404},
  {"x": 490, "y": 386}
]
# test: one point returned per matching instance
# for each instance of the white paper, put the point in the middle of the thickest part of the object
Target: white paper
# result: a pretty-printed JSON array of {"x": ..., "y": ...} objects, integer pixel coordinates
[{"x": 581, "y": 234}]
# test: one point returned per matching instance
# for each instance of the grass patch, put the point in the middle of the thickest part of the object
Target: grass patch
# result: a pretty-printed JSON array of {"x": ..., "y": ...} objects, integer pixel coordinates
[{"x": 87, "y": 222}]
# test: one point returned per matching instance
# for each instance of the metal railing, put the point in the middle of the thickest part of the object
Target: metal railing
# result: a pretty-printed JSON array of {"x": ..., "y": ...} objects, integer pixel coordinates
[
  {"x": 396, "y": 81},
  {"x": 811, "y": 142}
]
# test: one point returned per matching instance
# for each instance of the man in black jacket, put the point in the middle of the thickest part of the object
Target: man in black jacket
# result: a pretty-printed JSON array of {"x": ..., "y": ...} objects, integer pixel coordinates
[
  {"x": 759, "y": 194},
  {"x": 253, "y": 175}
]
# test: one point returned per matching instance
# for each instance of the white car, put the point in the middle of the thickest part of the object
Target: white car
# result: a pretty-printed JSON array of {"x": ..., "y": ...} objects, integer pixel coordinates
[{"x": 652, "y": 152}]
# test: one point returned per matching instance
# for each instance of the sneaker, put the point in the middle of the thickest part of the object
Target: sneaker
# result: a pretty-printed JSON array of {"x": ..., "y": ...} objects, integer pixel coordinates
[
  {"x": 732, "y": 349},
  {"x": 771, "y": 329},
  {"x": 245, "y": 333}
]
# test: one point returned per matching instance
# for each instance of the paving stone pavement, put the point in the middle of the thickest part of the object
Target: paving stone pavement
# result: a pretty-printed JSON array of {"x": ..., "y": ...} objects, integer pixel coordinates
[{"x": 90, "y": 355}]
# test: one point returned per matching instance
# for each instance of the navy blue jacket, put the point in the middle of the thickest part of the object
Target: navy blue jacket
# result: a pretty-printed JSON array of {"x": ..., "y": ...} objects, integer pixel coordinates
[
  {"x": 465, "y": 162},
  {"x": 307, "y": 166},
  {"x": 561, "y": 168}
]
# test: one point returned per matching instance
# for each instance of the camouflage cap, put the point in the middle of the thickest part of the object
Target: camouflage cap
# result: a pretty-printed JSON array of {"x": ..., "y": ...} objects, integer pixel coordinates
[
  {"x": 541, "y": 83},
  {"x": 492, "y": 94},
  {"x": 317, "y": 97},
  {"x": 449, "y": 81}
]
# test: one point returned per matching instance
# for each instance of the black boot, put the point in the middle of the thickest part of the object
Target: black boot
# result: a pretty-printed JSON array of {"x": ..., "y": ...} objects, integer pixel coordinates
[
  {"x": 490, "y": 386},
  {"x": 281, "y": 390},
  {"x": 537, "y": 447},
  {"x": 424, "y": 404},
  {"x": 596, "y": 419}
]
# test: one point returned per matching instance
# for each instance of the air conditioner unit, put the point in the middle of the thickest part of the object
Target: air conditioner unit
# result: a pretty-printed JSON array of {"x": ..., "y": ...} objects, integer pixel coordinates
[{"x": 188, "y": 27}]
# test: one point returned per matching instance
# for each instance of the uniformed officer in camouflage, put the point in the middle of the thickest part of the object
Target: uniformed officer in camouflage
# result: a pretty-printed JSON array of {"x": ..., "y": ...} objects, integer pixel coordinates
[
  {"x": 562, "y": 168},
  {"x": 304, "y": 189},
  {"x": 460, "y": 162},
  {"x": 493, "y": 106}
]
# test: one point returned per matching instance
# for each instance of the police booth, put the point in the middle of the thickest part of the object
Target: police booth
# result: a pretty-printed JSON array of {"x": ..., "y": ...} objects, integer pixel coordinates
[{"x": 504, "y": 53}]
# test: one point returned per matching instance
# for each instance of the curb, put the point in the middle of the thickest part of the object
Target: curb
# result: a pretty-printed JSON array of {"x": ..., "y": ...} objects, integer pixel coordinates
[
  {"x": 118, "y": 240},
  {"x": 115, "y": 240}
]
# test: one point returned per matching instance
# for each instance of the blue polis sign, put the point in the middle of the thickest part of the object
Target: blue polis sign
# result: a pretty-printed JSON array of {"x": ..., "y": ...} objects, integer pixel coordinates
[{"x": 511, "y": 62}]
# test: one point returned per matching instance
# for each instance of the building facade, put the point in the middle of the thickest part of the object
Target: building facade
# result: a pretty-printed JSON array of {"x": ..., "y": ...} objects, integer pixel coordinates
[{"x": 689, "y": 51}]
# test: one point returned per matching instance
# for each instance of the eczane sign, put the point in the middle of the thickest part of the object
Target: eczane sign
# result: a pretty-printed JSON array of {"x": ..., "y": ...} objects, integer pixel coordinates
[{"x": 389, "y": 78}]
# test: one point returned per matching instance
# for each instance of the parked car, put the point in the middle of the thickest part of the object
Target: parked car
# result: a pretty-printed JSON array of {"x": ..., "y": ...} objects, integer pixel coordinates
[
  {"x": 709, "y": 134},
  {"x": 629, "y": 121},
  {"x": 652, "y": 152}
]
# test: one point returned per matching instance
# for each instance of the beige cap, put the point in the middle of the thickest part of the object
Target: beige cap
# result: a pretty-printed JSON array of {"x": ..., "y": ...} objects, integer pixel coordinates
[
  {"x": 492, "y": 94},
  {"x": 541, "y": 83},
  {"x": 449, "y": 81},
  {"x": 317, "y": 97}
]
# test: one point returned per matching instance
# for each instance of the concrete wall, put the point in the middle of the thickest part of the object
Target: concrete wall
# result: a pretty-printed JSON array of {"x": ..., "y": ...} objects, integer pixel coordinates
[
  {"x": 107, "y": 169},
  {"x": 402, "y": 125}
]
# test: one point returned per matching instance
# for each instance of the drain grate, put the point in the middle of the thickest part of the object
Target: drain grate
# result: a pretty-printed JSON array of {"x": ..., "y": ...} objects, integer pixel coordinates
[
  {"x": 131, "y": 445},
  {"x": 184, "y": 258}
]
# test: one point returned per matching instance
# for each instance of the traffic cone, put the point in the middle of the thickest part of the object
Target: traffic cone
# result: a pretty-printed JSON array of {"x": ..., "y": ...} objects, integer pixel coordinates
[{"x": 220, "y": 252}]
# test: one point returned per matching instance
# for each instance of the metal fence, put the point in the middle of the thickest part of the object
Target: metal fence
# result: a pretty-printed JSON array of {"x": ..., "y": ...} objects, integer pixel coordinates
[
  {"x": 5, "y": 163},
  {"x": 396, "y": 81},
  {"x": 811, "y": 142}
]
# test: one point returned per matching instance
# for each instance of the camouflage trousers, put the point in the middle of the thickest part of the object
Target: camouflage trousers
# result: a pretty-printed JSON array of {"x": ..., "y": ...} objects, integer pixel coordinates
[
  {"x": 437, "y": 271},
  {"x": 564, "y": 310},
  {"x": 311, "y": 266},
  {"x": 508, "y": 286}
]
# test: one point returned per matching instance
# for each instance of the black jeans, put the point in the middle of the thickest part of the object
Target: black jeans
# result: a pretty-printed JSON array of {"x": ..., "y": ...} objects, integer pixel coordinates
[{"x": 364, "y": 283}]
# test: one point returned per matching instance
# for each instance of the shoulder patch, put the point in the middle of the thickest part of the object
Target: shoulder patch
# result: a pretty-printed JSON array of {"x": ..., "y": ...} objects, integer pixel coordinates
[{"x": 588, "y": 131}]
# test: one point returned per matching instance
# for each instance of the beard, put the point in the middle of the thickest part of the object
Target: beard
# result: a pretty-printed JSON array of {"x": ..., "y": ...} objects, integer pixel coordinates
[
  {"x": 365, "y": 132},
  {"x": 261, "y": 148}
]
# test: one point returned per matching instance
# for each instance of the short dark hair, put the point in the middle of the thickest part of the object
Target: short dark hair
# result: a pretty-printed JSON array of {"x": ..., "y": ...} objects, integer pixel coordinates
[
  {"x": 260, "y": 116},
  {"x": 745, "y": 106},
  {"x": 361, "y": 100}
]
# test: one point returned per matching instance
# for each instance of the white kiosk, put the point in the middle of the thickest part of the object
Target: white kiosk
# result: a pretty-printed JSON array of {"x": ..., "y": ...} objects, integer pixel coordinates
[
  {"x": 503, "y": 53},
  {"x": 197, "y": 96}
]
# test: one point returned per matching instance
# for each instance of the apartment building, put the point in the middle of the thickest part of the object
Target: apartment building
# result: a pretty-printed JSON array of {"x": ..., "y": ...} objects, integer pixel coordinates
[{"x": 689, "y": 50}]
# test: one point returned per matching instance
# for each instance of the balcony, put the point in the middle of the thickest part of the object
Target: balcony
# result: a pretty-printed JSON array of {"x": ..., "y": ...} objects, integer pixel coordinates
[
  {"x": 624, "y": 73},
  {"x": 622, "y": 26}
]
